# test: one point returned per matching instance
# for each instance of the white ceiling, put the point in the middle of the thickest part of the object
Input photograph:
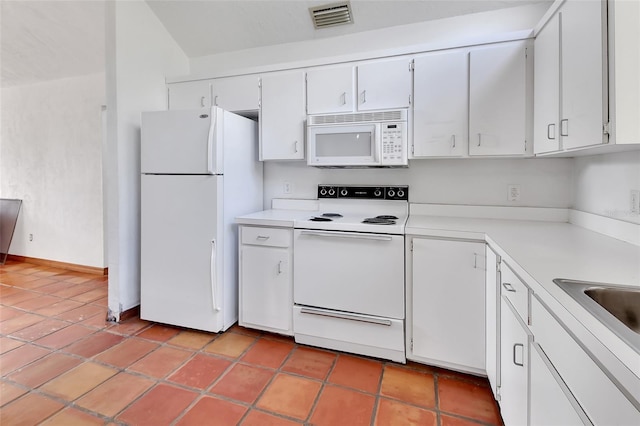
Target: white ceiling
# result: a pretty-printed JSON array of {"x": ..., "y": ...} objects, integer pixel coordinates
[{"x": 46, "y": 40}]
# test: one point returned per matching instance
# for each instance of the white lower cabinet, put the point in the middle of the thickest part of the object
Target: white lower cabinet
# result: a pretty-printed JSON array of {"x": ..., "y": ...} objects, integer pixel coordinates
[
  {"x": 266, "y": 292},
  {"x": 445, "y": 303}
]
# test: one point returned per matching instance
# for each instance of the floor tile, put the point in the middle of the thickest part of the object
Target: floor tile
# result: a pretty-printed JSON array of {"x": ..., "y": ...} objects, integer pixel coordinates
[
  {"x": 467, "y": 399},
  {"x": 126, "y": 353},
  {"x": 78, "y": 381},
  {"x": 268, "y": 353},
  {"x": 129, "y": 327},
  {"x": 44, "y": 369},
  {"x": 391, "y": 412},
  {"x": 226, "y": 413},
  {"x": 246, "y": 331},
  {"x": 20, "y": 357},
  {"x": 98, "y": 322},
  {"x": 29, "y": 410},
  {"x": 310, "y": 362},
  {"x": 231, "y": 345},
  {"x": 243, "y": 383},
  {"x": 71, "y": 291},
  {"x": 192, "y": 339},
  {"x": 18, "y": 323},
  {"x": 343, "y": 406},
  {"x": 57, "y": 308},
  {"x": 90, "y": 295},
  {"x": 94, "y": 344},
  {"x": 260, "y": 418},
  {"x": 39, "y": 329},
  {"x": 7, "y": 344},
  {"x": 411, "y": 386},
  {"x": 65, "y": 337},
  {"x": 161, "y": 362},
  {"x": 290, "y": 395},
  {"x": 37, "y": 302},
  {"x": 159, "y": 333},
  {"x": 359, "y": 373},
  {"x": 9, "y": 392},
  {"x": 7, "y": 313},
  {"x": 161, "y": 405},
  {"x": 126, "y": 386},
  {"x": 54, "y": 287},
  {"x": 19, "y": 296},
  {"x": 448, "y": 420},
  {"x": 72, "y": 417},
  {"x": 200, "y": 371},
  {"x": 82, "y": 313}
]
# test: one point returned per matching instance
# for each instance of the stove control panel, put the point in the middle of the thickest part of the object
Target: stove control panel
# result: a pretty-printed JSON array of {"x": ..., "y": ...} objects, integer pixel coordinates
[{"x": 364, "y": 192}]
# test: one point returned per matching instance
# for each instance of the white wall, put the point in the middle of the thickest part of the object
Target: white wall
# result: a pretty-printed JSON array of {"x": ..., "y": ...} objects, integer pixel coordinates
[
  {"x": 544, "y": 182},
  {"x": 602, "y": 184},
  {"x": 140, "y": 53},
  {"x": 50, "y": 157}
]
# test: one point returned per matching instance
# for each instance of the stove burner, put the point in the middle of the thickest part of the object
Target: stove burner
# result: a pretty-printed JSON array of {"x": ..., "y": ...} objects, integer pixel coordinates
[
  {"x": 331, "y": 215},
  {"x": 386, "y": 216},
  {"x": 379, "y": 221},
  {"x": 320, "y": 219}
]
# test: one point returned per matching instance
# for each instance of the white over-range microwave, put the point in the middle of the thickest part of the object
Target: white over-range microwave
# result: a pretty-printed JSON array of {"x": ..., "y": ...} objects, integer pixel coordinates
[{"x": 362, "y": 139}]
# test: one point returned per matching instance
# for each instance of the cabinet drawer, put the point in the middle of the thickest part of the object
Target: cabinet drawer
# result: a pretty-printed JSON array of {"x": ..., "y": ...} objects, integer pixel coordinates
[
  {"x": 515, "y": 291},
  {"x": 271, "y": 237}
]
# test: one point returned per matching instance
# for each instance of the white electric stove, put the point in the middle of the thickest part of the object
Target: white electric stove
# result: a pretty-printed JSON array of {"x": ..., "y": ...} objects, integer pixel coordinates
[{"x": 349, "y": 274}]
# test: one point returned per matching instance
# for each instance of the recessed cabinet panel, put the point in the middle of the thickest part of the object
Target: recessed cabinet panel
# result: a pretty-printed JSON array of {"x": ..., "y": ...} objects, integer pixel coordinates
[
  {"x": 240, "y": 93},
  {"x": 492, "y": 321},
  {"x": 440, "y": 86},
  {"x": 384, "y": 85},
  {"x": 282, "y": 116},
  {"x": 498, "y": 100},
  {"x": 190, "y": 94},
  {"x": 330, "y": 90}
]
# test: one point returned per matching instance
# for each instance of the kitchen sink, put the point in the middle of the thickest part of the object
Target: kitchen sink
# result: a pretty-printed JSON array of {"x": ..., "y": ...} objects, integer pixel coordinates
[{"x": 616, "y": 306}]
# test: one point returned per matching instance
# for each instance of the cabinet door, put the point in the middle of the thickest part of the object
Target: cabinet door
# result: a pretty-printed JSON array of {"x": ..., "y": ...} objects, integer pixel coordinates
[
  {"x": 492, "y": 321},
  {"x": 552, "y": 404},
  {"x": 265, "y": 288},
  {"x": 190, "y": 95},
  {"x": 514, "y": 364},
  {"x": 440, "y": 87},
  {"x": 384, "y": 85},
  {"x": 330, "y": 90},
  {"x": 447, "y": 304},
  {"x": 546, "y": 105},
  {"x": 282, "y": 115},
  {"x": 240, "y": 93},
  {"x": 583, "y": 78},
  {"x": 497, "y": 100}
]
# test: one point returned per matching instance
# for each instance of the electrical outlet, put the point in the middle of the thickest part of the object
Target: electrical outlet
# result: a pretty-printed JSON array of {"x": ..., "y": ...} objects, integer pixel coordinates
[
  {"x": 635, "y": 201},
  {"x": 513, "y": 192},
  {"x": 286, "y": 188}
]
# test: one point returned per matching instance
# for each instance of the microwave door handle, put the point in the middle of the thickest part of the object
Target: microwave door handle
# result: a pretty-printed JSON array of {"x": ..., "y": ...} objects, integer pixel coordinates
[{"x": 377, "y": 137}]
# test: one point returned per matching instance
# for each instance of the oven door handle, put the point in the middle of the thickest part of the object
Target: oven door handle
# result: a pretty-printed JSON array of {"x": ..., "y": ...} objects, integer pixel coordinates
[
  {"x": 346, "y": 235},
  {"x": 343, "y": 315}
]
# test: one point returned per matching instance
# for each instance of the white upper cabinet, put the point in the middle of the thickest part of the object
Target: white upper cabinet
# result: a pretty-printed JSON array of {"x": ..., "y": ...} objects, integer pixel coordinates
[
  {"x": 330, "y": 89},
  {"x": 240, "y": 93},
  {"x": 190, "y": 94},
  {"x": 499, "y": 100},
  {"x": 282, "y": 116},
  {"x": 384, "y": 84},
  {"x": 440, "y": 120},
  {"x": 546, "y": 108},
  {"x": 583, "y": 47}
]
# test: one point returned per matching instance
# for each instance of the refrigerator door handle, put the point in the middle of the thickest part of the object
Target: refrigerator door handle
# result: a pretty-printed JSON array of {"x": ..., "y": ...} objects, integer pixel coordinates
[
  {"x": 213, "y": 276},
  {"x": 211, "y": 141}
]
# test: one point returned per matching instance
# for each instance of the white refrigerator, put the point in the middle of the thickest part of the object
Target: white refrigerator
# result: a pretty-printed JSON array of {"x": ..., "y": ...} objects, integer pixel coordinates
[{"x": 200, "y": 170}]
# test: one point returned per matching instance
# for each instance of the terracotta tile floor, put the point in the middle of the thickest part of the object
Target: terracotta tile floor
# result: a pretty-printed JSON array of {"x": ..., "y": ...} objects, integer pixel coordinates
[{"x": 62, "y": 364}]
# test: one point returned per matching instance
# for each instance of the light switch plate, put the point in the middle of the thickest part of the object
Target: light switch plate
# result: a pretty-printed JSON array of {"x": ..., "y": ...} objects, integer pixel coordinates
[{"x": 513, "y": 192}]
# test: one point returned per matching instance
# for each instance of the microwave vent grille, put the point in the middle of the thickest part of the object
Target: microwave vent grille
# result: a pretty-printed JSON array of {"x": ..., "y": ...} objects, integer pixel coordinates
[{"x": 358, "y": 117}]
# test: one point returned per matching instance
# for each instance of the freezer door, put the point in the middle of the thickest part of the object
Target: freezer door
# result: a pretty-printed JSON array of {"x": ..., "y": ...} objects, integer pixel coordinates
[
  {"x": 178, "y": 142},
  {"x": 181, "y": 251}
]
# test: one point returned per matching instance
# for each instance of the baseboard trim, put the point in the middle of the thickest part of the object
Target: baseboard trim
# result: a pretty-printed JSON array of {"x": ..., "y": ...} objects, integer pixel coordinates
[
  {"x": 61, "y": 265},
  {"x": 130, "y": 313}
]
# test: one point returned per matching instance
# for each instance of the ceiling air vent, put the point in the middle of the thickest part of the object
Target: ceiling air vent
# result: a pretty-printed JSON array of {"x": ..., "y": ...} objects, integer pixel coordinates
[{"x": 331, "y": 14}]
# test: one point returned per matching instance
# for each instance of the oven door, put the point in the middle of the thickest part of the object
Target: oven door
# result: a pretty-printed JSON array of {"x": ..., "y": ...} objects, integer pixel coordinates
[
  {"x": 344, "y": 145},
  {"x": 350, "y": 272}
]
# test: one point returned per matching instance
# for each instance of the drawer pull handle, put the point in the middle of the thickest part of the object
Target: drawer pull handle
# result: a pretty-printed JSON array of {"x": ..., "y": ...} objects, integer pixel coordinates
[
  {"x": 279, "y": 267},
  {"x": 345, "y": 316},
  {"x": 509, "y": 287},
  {"x": 521, "y": 346},
  {"x": 343, "y": 235},
  {"x": 262, "y": 238}
]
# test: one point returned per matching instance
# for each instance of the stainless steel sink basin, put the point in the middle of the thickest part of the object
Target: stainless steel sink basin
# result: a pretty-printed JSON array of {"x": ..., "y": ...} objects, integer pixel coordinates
[{"x": 616, "y": 306}]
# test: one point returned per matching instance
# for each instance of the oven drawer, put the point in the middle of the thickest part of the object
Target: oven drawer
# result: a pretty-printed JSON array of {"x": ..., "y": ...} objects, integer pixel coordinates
[
  {"x": 271, "y": 237},
  {"x": 361, "y": 334},
  {"x": 350, "y": 272}
]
